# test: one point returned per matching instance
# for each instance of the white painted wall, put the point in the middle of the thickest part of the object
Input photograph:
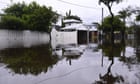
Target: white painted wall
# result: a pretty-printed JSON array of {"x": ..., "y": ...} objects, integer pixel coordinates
[
  {"x": 11, "y": 39},
  {"x": 63, "y": 37}
]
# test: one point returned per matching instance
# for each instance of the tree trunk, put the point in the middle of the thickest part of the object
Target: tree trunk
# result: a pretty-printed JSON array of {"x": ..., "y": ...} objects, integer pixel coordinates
[
  {"x": 123, "y": 30},
  {"x": 112, "y": 29}
]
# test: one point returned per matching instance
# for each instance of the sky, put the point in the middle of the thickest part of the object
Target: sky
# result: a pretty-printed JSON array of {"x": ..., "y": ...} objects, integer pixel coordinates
[{"x": 89, "y": 10}]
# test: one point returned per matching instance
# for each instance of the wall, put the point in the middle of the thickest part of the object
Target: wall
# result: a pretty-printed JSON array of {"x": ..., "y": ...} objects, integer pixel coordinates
[{"x": 63, "y": 37}]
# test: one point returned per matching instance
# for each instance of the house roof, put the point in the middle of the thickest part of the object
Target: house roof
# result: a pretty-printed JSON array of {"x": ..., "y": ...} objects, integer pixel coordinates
[
  {"x": 71, "y": 21},
  {"x": 79, "y": 27}
]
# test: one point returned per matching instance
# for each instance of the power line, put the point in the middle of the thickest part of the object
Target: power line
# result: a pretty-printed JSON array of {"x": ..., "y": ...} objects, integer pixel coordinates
[{"x": 78, "y": 5}]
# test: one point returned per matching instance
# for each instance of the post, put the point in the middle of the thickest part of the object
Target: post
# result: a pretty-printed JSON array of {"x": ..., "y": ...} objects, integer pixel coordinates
[
  {"x": 102, "y": 14},
  {"x": 101, "y": 37},
  {"x": 102, "y": 22},
  {"x": 88, "y": 36}
]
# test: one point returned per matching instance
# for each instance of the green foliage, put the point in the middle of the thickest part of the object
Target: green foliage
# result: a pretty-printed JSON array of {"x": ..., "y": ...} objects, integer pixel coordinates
[
  {"x": 138, "y": 18},
  {"x": 109, "y": 4},
  {"x": 118, "y": 25},
  {"x": 32, "y": 16},
  {"x": 136, "y": 12},
  {"x": 107, "y": 49},
  {"x": 13, "y": 22},
  {"x": 69, "y": 16},
  {"x": 16, "y": 9},
  {"x": 73, "y": 17},
  {"x": 130, "y": 30},
  {"x": 123, "y": 14}
]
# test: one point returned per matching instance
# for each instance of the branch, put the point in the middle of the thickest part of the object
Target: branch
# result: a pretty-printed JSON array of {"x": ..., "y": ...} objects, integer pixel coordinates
[{"x": 111, "y": 4}]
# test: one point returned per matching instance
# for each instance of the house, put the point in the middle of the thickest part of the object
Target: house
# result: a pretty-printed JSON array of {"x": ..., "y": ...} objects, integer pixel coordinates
[
  {"x": 85, "y": 32},
  {"x": 74, "y": 32}
]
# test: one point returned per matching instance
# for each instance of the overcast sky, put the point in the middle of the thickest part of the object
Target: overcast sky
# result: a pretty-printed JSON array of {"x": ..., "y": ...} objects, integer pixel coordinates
[{"x": 89, "y": 12}]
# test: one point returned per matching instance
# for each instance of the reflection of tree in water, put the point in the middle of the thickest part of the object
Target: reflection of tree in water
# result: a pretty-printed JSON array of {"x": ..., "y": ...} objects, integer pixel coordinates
[
  {"x": 109, "y": 78},
  {"x": 32, "y": 60},
  {"x": 111, "y": 50},
  {"x": 137, "y": 42},
  {"x": 70, "y": 58},
  {"x": 135, "y": 59}
]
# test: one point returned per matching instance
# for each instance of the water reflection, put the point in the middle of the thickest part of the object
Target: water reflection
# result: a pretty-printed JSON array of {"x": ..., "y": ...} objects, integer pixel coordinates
[
  {"x": 118, "y": 50},
  {"x": 26, "y": 52},
  {"x": 109, "y": 78},
  {"x": 111, "y": 50},
  {"x": 33, "y": 60},
  {"x": 68, "y": 63}
]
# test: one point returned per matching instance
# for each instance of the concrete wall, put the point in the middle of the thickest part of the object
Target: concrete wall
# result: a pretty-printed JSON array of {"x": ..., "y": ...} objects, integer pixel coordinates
[{"x": 63, "y": 37}]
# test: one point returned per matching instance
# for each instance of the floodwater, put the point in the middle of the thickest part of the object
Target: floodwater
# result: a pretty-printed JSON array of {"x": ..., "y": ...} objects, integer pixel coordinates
[{"x": 28, "y": 58}]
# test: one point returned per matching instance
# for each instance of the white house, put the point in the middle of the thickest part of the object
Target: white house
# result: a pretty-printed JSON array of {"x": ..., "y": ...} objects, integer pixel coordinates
[{"x": 74, "y": 32}]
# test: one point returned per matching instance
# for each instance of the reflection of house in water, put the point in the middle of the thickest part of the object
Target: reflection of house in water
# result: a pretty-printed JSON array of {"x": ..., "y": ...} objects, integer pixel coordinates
[{"x": 70, "y": 52}]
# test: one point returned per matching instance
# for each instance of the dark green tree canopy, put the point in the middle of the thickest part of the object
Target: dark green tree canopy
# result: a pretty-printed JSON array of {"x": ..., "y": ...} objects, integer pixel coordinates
[
  {"x": 17, "y": 9},
  {"x": 118, "y": 25},
  {"x": 29, "y": 16}
]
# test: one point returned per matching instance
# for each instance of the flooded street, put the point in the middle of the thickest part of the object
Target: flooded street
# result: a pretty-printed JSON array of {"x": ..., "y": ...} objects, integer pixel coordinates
[{"x": 31, "y": 58}]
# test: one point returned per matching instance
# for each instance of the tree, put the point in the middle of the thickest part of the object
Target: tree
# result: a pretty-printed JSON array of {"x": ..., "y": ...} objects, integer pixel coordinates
[
  {"x": 17, "y": 9},
  {"x": 41, "y": 19},
  {"x": 109, "y": 4},
  {"x": 118, "y": 25},
  {"x": 70, "y": 16},
  {"x": 136, "y": 11},
  {"x": 12, "y": 22},
  {"x": 137, "y": 14},
  {"x": 33, "y": 16},
  {"x": 123, "y": 14},
  {"x": 138, "y": 18}
]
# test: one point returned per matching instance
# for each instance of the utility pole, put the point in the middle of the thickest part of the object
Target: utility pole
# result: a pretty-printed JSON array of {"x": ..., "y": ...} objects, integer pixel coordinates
[
  {"x": 102, "y": 21},
  {"x": 102, "y": 14},
  {"x": 101, "y": 37}
]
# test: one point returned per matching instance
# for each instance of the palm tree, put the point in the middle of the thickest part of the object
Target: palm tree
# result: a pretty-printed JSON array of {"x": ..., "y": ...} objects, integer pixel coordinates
[
  {"x": 137, "y": 12},
  {"x": 123, "y": 14}
]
